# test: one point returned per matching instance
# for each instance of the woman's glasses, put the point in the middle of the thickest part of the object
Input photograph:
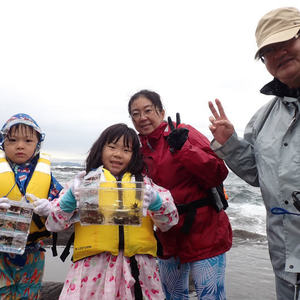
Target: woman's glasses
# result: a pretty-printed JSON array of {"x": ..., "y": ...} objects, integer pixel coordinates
[{"x": 147, "y": 112}]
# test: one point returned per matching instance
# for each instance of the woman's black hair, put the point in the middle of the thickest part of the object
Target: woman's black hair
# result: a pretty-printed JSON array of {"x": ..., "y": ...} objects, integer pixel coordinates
[
  {"x": 111, "y": 135},
  {"x": 150, "y": 95}
]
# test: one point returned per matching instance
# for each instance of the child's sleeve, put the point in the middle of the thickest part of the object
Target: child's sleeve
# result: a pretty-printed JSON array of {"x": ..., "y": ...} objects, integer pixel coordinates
[
  {"x": 55, "y": 189},
  {"x": 166, "y": 216},
  {"x": 58, "y": 219}
]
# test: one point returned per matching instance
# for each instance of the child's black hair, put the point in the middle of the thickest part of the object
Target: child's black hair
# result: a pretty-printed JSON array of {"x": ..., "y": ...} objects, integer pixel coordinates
[{"x": 111, "y": 135}]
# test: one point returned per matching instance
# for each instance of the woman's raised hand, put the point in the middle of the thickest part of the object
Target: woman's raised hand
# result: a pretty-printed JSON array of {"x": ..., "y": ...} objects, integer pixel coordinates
[{"x": 220, "y": 127}]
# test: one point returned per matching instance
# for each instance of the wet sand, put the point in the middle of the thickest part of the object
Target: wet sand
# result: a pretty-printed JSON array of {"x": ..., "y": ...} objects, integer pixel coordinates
[{"x": 249, "y": 274}]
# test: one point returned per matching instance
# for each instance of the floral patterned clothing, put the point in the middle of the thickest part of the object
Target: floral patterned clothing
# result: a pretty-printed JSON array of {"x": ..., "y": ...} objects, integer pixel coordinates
[
  {"x": 105, "y": 276},
  {"x": 21, "y": 282},
  {"x": 208, "y": 276},
  {"x": 108, "y": 277}
]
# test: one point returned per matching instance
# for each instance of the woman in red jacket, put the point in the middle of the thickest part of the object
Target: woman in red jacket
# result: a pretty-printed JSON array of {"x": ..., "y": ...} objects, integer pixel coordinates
[{"x": 180, "y": 159}]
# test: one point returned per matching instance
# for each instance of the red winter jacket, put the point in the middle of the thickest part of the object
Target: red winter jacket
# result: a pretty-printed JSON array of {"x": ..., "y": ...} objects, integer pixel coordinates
[{"x": 188, "y": 174}]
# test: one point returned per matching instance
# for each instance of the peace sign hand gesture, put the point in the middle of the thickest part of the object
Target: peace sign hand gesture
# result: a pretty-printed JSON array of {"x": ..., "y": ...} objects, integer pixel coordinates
[
  {"x": 178, "y": 136},
  {"x": 220, "y": 127}
]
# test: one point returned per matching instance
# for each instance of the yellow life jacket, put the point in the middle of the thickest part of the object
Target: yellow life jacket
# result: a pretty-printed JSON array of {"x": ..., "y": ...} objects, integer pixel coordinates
[
  {"x": 93, "y": 239},
  {"x": 38, "y": 185}
]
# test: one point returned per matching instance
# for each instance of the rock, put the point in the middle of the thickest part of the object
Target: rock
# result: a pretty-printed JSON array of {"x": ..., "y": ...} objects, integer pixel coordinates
[{"x": 51, "y": 290}]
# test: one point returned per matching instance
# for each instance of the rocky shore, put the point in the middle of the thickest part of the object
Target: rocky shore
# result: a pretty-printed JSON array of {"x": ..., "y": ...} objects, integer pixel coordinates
[{"x": 51, "y": 290}]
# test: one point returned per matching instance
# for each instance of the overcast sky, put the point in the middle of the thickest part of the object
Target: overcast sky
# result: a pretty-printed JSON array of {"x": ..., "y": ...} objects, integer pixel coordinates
[{"x": 73, "y": 65}]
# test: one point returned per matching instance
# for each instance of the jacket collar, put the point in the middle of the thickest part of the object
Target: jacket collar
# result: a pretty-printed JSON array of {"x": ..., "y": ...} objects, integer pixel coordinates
[
  {"x": 151, "y": 139},
  {"x": 277, "y": 88}
]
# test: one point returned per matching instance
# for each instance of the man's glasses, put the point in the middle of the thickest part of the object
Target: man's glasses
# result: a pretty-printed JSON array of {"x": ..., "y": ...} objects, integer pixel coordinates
[
  {"x": 268, "y": 51},
  {"x": 147, "y": 112}
]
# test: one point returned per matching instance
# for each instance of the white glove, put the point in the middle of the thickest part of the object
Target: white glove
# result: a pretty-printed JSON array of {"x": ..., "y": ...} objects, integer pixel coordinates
[
  {"x": 150, "y": 196},
  {"x": 4, "y": 203},
  {"x": 42, "y": 207},
  {"x": 76, "y": 183}
]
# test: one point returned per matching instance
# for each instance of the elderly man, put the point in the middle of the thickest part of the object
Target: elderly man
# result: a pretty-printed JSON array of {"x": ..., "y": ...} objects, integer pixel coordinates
[{"x": 269, "y": 154}]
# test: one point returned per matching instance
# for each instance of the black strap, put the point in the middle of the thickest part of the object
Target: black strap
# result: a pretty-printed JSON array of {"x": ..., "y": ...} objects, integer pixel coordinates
[
  {"x": 32, "y": 237},
  {"x": 159, "y": 251},
  {"x": 184, "y": 208},
  {"x": 218, "y": 202},
  {"x": 121, "y": 237},
  {"x": 54, "y": 242},
  {"x": 296, "y": 288},
  {"x": 139, "y": 179},
  {"x": 66, "y": 251},
  {"x": 138, "y": 295},
  {"x": 37, "y": 220},
  {"x": 220, "y": 189},
  {"x": 190, "y": 210}
]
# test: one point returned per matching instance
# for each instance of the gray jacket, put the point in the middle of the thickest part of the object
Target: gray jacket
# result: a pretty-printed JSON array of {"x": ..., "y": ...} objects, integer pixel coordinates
[{"x": 269, "y": 157}]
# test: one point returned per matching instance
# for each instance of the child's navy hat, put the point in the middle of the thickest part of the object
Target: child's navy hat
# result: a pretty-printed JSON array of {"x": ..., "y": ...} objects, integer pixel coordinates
[{"x": 20, "y": 119}]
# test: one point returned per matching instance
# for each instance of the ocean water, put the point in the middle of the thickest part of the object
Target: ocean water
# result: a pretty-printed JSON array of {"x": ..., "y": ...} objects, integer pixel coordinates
[{"x": 246, "y": 210}]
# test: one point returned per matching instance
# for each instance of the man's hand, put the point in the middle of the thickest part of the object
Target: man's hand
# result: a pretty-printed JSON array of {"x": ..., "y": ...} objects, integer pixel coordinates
[{"x": 220, "y": 127}]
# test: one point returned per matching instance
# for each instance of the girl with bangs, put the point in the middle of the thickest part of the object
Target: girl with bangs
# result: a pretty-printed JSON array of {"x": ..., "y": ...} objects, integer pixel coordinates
[{"x": 114, "y": 261}]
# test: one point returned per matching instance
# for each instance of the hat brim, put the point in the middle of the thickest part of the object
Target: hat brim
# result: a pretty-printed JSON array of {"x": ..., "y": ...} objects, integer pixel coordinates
[{"x": 277, "y": 38}]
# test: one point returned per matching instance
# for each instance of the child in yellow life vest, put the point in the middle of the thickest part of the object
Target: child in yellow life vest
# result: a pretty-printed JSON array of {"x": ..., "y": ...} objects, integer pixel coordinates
[
  {"x": 114, "y": 261},
  {"x": 23, "y": 170}
]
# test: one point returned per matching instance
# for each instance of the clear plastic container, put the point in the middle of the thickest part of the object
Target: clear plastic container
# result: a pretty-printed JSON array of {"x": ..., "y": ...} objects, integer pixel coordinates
[
  {"x": 14, "y": 226},
  {"x": 111, "y": 203}
]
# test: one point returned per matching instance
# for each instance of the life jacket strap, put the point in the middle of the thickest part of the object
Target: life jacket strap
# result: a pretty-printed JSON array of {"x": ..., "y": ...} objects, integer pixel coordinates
[
  {"x": 54, "y": 242},
  {"x": 37, "y": 220},
  {"x": 138, "y": 295},
  {"x": 66, "y": 251},
  {"x": 32, "y": 237}
]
